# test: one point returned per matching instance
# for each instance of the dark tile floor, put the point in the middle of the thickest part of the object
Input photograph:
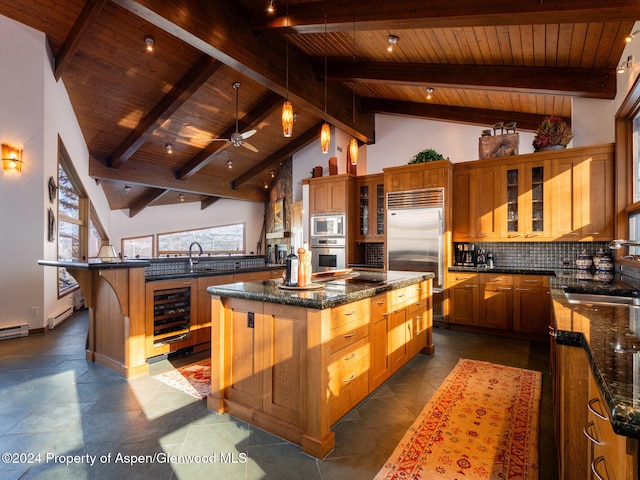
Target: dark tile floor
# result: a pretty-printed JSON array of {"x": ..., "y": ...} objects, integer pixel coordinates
[{"x": 55, "y": 404}]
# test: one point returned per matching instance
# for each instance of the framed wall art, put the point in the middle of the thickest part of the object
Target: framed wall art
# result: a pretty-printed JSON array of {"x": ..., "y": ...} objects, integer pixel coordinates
[{"x": 278, "y": 215}]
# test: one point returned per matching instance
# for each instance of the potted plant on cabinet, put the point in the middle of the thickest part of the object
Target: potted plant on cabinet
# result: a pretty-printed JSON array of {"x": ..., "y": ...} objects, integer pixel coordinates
[
  {"x": 428, "y": 155},
  {"x": 552, "y": 134}
]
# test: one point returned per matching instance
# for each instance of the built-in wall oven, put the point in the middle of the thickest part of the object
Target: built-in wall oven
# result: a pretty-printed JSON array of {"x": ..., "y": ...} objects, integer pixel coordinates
[{"x": 328, "y": 253}]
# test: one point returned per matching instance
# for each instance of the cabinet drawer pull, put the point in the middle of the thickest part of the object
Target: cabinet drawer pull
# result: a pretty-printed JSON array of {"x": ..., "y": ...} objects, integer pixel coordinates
[
  {"x": 504, "y": 289},
  {"x": 350, "y": 356},
  {"x": 592, "y": 437},
  {"x": 532, "y": 281},
  {"x": 470, "y": 286},
  {"x": 385, "y": 314},
  {"x": 347, "y": 380},
  {"x": 594, "y": 468},
  {"x": 418, "y": 332},
  {"x": 592, "y": 409},
  {"x": 380, "y": 303},
  {"x": 592, "y": 233},
  {"x": 419, "y": 317},
  {"x": 531, "y": 235},
  {"x": 494, "y": 279},
  {"x": 514, "y": 235},
  {"x": 349, "y": 335},
  {"x": 400, "y": 295},
  {"x": 522, "y": 289},
  {"x": 346, "y": 314},
  {"x": 484, "y": 234},
  {"x": 552, "y": 332},
  {"x": 463, "y": 278}
]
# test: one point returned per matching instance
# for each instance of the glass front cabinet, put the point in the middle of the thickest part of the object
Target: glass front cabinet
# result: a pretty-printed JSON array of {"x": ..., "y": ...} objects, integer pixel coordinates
[
  {"x": 526, "y": 200},
  {"x": 371, "y": 213}
]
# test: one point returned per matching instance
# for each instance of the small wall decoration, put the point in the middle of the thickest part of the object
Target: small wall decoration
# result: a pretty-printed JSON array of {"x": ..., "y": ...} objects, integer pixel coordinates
[
  {"x": 53, "y": 189},
  {"x": 278, "y": 215},
  {"x": 503, "y": 145},
  {"x": 51, "y": 225}
]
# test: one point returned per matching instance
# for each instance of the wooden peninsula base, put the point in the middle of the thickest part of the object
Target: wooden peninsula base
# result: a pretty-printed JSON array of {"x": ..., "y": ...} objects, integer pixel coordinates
[{"x": 295, "y": 363}]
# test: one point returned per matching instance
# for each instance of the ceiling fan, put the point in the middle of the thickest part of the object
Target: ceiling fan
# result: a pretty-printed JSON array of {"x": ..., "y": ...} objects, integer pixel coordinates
[{"x": 238, "y": 139}]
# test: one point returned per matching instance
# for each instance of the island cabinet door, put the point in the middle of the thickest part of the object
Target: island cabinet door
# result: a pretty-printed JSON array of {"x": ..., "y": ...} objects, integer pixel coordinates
[
  {"x": 379, "y": 328},
  {"x": 243, "y": 350},
  {"x": 284, "y": 359}
]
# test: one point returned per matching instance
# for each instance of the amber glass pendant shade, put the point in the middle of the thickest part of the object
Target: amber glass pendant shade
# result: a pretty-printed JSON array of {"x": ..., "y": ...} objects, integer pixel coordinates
[
  {"x": 325, "y": 137},
  {"x": 287, "y": 118},
  {"x": 353, "y": 151}
]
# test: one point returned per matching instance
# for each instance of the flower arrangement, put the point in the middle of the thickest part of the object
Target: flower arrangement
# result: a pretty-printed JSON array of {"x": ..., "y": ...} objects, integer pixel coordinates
[
  {"x": 427, "y": 155},
  {"x": 552, "y": 131}
]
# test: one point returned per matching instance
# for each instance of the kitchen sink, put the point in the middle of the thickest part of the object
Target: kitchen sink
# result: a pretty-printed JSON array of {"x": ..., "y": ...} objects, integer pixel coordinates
[{"x": 600, "y": 299}]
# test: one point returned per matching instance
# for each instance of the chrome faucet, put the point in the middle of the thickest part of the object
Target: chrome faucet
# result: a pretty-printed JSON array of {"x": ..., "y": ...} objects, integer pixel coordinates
[
  {"x": 616, "y": 244},
  {"x": 193, "y": 261}
]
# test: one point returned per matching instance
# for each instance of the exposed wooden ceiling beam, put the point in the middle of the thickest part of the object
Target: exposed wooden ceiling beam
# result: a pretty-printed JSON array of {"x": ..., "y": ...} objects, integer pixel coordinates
[
  {"x": 207, "y": 202},
  {"x": 261, "y": 58},
  {"x": 285, "y": 152},
  {"x": 482, "y": 117},
  {"x": 148, "y": 175},
  {"x": 309, "y": 17},
  {"x": 578, "y": 82},
  {"x": 266, "y": 106},
  {"x": 80, "y": 28},
  {"x": 145, "y": 200},
  {"x": 197, "y": 75}
]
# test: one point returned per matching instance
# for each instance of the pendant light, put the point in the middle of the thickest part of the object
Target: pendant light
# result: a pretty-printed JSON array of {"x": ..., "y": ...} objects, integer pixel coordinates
[
  {"x": 287, "y": 108},
  {"x": 353, "y": 144},
  {"x": 325, "y": 132}
]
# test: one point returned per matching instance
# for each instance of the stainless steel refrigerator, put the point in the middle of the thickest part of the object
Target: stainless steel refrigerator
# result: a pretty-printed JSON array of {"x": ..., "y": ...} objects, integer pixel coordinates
[{"x": 415, "y": 228}]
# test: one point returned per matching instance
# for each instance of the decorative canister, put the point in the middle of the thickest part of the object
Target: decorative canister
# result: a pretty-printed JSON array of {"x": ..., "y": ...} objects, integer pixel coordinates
[
  {"x": 605, "y": 264},
  {"x": 584, "y": 261}
]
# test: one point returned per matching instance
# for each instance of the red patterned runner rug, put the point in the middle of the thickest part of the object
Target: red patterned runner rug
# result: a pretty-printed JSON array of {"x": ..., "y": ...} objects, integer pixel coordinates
[
  {"x": 482, "y": 423},
  {"x": 193, "y": 379}
]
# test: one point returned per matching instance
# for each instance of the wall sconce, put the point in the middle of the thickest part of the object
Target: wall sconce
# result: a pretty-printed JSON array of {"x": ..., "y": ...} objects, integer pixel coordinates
[
  {"x": 11, "y": 158},
  {"x": 107, "y": 254},
  {"x": 626, "y": 65},
  {"x": 629, "y": 38}
]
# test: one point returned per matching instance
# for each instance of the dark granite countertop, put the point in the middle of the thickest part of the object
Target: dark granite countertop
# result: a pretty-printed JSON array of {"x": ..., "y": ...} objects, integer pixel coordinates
[
  {"x": 94, "y": 265},
  {"x": 338, "y": 291},
  {"x": 611, "y": 337},
  {"x": 505, "y": 270}
]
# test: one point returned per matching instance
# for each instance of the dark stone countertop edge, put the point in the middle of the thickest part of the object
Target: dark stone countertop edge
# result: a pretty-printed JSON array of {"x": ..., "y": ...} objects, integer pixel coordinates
[
  {"x": 622, "y": 422},
  {"x": 96, "y": 265},
  {"x": 285, "y": 297},
  {"x": 505, "y": 270}
]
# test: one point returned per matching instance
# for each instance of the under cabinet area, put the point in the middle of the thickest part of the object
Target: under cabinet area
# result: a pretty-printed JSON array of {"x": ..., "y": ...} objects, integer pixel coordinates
[{"x": 501, "y": 302}]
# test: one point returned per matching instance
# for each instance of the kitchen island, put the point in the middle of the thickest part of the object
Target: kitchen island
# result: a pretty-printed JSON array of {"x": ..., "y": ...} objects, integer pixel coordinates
[{"x": 294, "y": 362}]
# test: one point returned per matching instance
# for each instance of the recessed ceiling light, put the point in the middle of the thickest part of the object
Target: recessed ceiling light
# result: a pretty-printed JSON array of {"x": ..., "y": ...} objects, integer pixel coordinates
[
  {"x": 393, "y": 40},
  {"x": 149, "y": 42},
  {"x": 273, "y": 173},
  {"x": 266, "y": 185}
]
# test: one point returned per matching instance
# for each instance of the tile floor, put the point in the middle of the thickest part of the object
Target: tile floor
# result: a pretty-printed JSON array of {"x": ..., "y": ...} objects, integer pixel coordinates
[{"x": 52, "y": 401}]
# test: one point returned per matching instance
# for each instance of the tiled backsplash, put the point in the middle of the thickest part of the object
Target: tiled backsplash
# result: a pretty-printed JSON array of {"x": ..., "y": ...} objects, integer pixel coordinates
[
  {"x": 173, "y": 266},
  {"x": 374, "y": 253},
  {"x": 538, "y": 254}
]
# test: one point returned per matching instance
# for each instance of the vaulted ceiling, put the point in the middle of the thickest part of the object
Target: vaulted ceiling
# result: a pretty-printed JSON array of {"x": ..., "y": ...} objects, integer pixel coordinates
[{"x": 485, "y": 61}]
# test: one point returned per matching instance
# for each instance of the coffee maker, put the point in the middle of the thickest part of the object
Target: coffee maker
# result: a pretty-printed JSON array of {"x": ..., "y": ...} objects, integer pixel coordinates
[
  {"x": 481, "y": 258},
  {"x": 465, "y": 255}
]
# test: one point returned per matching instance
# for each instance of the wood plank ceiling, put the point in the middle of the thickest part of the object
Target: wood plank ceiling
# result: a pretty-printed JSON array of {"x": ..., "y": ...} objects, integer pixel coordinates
[{"x": 486, "y": 61}]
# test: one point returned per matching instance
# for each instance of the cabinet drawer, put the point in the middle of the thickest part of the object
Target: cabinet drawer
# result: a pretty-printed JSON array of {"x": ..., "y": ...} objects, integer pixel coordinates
[
  {"x": 403, "y": 297},
  {"x": 380, "y": 306},
  {"x": 498, "y": 280},
  {"x": 348, "y": 378},
  {"x": 348, "y": 313},
  {"x": 458, "y": 278},
  {"x": 531, "y": 281},
  {"x": 614, "y": 456},
  {"x": 347, "y": 334}
]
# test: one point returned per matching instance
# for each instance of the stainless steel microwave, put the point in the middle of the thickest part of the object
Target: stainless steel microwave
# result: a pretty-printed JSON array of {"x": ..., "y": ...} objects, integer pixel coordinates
[{"x": 328, "y": 225}]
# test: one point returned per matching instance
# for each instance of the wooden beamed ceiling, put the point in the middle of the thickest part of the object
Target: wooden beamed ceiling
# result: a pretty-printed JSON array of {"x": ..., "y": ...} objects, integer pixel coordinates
[{"x": 488, "y": 62}]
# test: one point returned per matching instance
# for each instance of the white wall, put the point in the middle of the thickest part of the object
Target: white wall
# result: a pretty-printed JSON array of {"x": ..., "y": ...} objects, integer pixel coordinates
[{"x": 169, "y": 218}]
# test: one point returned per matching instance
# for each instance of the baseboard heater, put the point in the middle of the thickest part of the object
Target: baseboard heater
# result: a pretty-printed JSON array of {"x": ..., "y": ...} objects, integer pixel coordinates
[
  {"x": 63, "y": 315},
  {"x": 14, "y": 331}
]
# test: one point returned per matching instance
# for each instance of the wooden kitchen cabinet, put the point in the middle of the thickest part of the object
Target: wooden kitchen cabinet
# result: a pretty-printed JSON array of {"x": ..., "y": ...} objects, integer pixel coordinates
[
  {"x": 464, "y": 298},
  {"x": 330, "y": 194},
  {"x": 371, "y": 199},
  {"x": 476, "y": 204},
  {"x": 203, "y": 325},
  {"x": 379, "y": 330},
  {"x": 417, "y": 176},
  {"x": 531, "y": 304},
  {"x": 583, "y": 195},
  {"x": 496, "y": 301},
  {"x": 525, "y": 201}
]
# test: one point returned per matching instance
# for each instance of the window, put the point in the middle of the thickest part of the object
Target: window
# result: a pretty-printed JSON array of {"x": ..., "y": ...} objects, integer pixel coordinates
[
  {"x": 137, "y": 247},
  {"x": 214, "y": 240},
  {"x": 72, "y": 213},
  {"x": 628, "y": 167}
]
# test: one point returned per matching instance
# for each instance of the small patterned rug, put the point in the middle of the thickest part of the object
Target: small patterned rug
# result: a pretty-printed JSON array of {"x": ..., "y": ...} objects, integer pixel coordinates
[
  {"x": 193, "y": 379},
  {"x": 481, "y": 424}
]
